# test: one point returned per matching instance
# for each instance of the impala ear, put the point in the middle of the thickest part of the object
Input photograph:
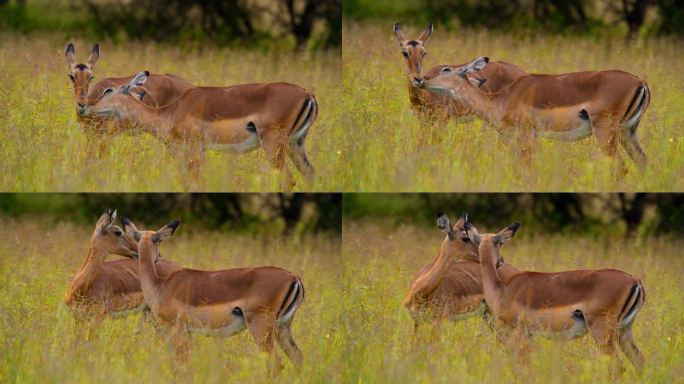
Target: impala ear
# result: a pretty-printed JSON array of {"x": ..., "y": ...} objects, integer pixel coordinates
[
  {"x": 130, "y": 228},
  {"x": 444, "y": 224},
  {"x": 94, "y": 55},
  {"x": 506, "y": 233},
  {"x": 137, "y": 81},
  {"x": 474, "y": 66},
  {"x": 105, "y": 221},
  {"x": 398, "y": 34},
  {"x": 477, "y": 81},
  {"x": 425, "y": 35},
  {"x": 472, "y": 232},
  {"x": 166, "y": 231},
  {"x": 70, "y": 55}
]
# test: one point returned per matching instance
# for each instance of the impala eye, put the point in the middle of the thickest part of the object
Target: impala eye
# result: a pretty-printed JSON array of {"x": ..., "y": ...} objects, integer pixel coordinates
[
  {"x": 118, "y": 233},
  {"x": 91, "y": 78},
  {"x": 405, "y": 54},
  {"x": 108, "y": 90},
  {"x": 424, "y": 54},
  {"x": 71, "y": 76},
  {"x": 465, "y": 239},
  {"x": 446, "y": 69}
]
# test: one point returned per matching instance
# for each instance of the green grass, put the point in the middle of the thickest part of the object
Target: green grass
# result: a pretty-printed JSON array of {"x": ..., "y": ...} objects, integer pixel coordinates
[
  {"x": 43, "y": 148},
  {"x": 390, "y": 152},
  {"x": 381, "y": 258},
  {"x": 40, "y": 341}
]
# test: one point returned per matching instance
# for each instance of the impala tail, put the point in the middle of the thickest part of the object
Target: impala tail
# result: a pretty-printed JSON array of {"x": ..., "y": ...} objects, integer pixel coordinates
[
  {"x": 293, "y": 299},
  {"x": 640, "y": 102},
  {"x": 307, "y": 115},
  {"x": 635, "y": 300}
]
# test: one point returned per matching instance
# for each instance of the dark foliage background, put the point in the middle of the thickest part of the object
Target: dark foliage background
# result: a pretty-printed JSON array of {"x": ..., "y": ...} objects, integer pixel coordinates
[
  {"x": 593, "y": 17},
  {"x": 258, "y": 213},
  {"x": 623, "y": 214},
  {"x": 260, "y": 24}
]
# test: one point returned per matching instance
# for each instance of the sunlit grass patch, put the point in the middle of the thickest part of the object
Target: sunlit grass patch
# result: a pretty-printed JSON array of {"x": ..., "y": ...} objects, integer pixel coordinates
[
  {"x": 389, "y": 151},
  {"x": 43, "y": 149}
]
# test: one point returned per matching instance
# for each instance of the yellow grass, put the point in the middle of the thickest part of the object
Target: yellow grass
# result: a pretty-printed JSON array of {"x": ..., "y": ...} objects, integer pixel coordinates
[
  {"x": 381, "y": 258},
  {"x": 40, "y": 342},
  {"x": 390, "y": 152},
  {"x": 43, "y": 149}
]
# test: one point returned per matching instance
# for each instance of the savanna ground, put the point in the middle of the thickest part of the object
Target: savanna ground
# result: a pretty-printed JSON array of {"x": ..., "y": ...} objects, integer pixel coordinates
[
  {"x": 40, "y": 341},
  {"x": 380, "y": 259},
  {"x": 389, "y": 151},
  {"x": 43, "y": 148}
]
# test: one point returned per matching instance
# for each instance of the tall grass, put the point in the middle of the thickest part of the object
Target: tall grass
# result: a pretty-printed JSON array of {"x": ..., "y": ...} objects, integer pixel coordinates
[
  {"x": 40, "y": 342},
  {"x": 389, "y": 151},
  {"x": 43, "y": 148},
  {"x": 381, "y": 258}
]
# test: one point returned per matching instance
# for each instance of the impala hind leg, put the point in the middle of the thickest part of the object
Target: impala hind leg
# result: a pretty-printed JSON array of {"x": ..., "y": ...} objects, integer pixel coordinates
[
  {"x": 606, "y": 131},
  {"x": 631, "y": 145},
  {"x": 630, "y": 349},
  {"x": 603, "y": 330},
  {"x": 262, "y": 327},
  {"x": 274, "y": 144},
  {"x": 289, "y": 346},
  {"x": 298, "y": 156}
]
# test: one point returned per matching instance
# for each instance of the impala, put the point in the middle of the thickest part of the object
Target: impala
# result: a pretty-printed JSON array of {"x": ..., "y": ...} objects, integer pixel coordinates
[
  {"x": 222, "y": 303},
  {"x": 109, "y": 287},
  {"x": 566, "y": 107},
  {"x": 237, "y": 119},
  {"x": 430, "y": 106},
  {"x": 450, "y": 288},
  {"x": 562, "y": 304},
  {"x": 159, "y": 91}
]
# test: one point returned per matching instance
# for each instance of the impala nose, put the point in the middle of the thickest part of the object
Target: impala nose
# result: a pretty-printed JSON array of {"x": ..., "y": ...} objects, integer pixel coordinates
[
  {"x": 418, "y": 81},
  {"x": 81, "y": 109}
]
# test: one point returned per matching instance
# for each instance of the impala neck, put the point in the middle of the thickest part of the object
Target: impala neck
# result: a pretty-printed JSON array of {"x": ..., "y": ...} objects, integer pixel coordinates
[
  {"x": 149, "y": 279},
  {"x": 431, "y": 279},
  {"x": 487, "y": 106},
  {"x": 153, "y": 120},
  {"x": 492, "y": 284},
  {"x": 85, "y": 276}
]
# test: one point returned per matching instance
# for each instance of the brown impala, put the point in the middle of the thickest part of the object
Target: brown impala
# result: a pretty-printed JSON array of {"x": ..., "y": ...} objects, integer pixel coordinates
[
  {"x": 109, "y": 287},
  {"x": 563, "y": 304},
  {"x": 222, "y": 303},
  {"x": 160, "y": 90},
  {"x": 433, "y": 107},
  {"x": 237, "y": 119},
  {"x": 569, "y": 107},
  {"x": 450, "y": 288}
]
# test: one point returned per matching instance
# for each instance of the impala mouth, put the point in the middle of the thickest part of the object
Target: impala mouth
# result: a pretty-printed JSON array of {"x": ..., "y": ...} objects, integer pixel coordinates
[
  {"x": 134, "y": 255},
  {"x": 105, "y": 112}
]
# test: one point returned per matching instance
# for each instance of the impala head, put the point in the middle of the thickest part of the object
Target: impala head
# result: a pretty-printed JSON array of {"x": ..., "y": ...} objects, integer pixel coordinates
[
  {"x": 81, "y": 75},
  {"x": 492, "y": 242},
  {"x": 148, "y": 241},
  {"x": 109, "y": 238},
  {"x": 457, "y": 243},
  {"x": 118, "y": 101},
  {"x": 452, "y": 80},
  {"x": 413, "y": 52}
]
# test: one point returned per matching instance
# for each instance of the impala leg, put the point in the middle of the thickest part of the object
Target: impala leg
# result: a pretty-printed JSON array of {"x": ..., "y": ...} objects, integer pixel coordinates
[
  {"x": 298, "y": 156},
  {"x": 274, "y": 144},
  {"x": 631, "y": 145},
  {"x": 181, "y": 342},
  {"x": 289, "y": 346},
  {"x": 605, "y": 130},
  {"x": 604, "y": 333},
  {"x": 630, "y": 349},
  {"x": 262, "y": 327}
]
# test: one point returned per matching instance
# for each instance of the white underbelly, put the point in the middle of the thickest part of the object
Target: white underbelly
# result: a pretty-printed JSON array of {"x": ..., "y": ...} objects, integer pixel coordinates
[
  {"x": 234, "y": 328},
  {"x": 249, "y": 144}
]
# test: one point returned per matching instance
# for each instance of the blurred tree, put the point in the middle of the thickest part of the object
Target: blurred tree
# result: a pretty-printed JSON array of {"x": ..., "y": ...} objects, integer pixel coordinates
[
  {"x": 315, "y": 212},
  {"x": 222, "y": 22}
]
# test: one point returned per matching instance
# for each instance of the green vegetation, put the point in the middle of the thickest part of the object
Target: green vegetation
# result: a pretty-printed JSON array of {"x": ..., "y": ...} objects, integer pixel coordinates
[
  {"x": 389, "y": 151},
  {"x": 40, "y": 341},
  {"x": 381, "y": 258},
  {"x": 43, "y": 148}
]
